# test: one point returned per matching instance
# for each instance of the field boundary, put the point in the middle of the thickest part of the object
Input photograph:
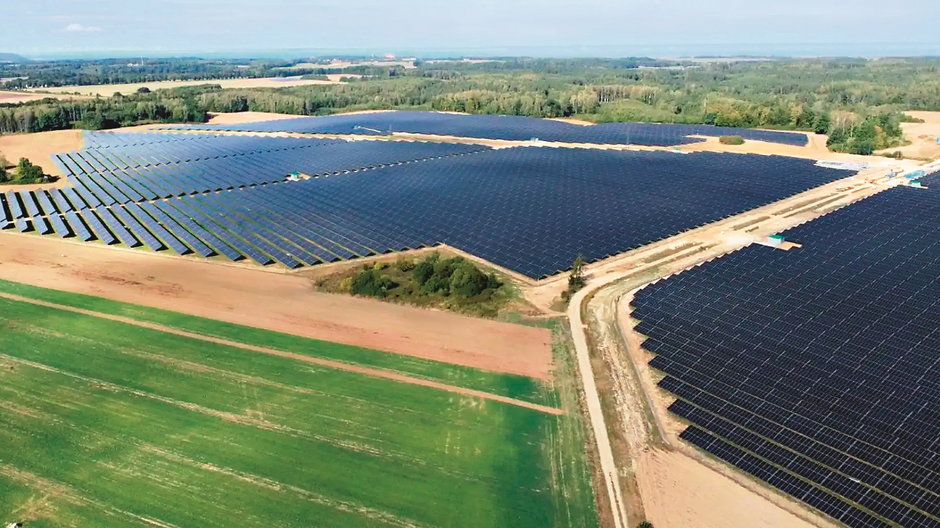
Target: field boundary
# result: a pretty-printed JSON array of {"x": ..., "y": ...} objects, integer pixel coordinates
[{"x": 338, "y": 365}]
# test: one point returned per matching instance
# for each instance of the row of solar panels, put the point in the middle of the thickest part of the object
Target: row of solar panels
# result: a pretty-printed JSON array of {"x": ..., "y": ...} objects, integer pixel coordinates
[
  {"x": 193, "y": 147},
  {"x": 816, "y": 369},
  {"x": 197, "y": 228},
  {"x": 532, "y": 210},
  {"x": 505, "y": 127}
]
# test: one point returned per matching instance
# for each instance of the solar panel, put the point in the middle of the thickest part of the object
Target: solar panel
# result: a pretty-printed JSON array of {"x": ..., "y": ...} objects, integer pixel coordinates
[
  {"x": 818, "y": 363},
  {"x": 101, "y": 232},
  {"x": 78, "y": 227}
]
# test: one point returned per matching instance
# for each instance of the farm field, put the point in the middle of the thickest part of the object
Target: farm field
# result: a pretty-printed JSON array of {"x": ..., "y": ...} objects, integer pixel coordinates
[
  {"x": 107, "y": 90},
  {"x": 121, "y": 415},
  {"x": 14, "y": 97}
]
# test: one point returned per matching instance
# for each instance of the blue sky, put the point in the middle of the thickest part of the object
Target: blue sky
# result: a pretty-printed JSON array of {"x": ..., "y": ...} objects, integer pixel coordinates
[{"x": 533, "y": 27}]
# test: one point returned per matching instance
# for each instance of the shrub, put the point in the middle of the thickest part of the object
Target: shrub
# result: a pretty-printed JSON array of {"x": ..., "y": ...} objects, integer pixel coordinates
[
  {"x": 467, "y": 281},
  {"x": 26, "y": 172},
  {"x": 731, "y": 140},
  {"x": 405, "y": 265},
  {"x": 645, "y": 524},
  {"x": 371, "y": 283}
]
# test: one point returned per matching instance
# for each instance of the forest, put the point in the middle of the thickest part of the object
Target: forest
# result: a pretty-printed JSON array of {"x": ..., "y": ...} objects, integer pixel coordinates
[{"x": 858, "y": 102}]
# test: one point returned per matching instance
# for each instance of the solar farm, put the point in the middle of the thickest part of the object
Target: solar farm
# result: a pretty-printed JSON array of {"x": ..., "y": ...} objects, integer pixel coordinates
[
  {"x": 816, "y": 369},
  {"x": 516, "y": 128},
  {"x": 295, "y": 202}
]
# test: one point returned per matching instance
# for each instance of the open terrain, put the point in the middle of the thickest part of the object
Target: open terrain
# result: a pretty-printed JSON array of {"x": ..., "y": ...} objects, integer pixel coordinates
[
  {"x": 14, "y": 97},
  {"x": 107, "y": 90},
  {"x": 658, "y": 479},
  {"x": 274, "y": 301},
  {"x": 39, "y": 148},
  {"x": 921, "y": 137},
  {"x": 120, "y": 415}
]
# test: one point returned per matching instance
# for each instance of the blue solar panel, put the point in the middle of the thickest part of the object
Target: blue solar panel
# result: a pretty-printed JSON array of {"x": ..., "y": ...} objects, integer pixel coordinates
[
  {"x": 821, "y": 362},
  {"x": 78, "y": 227},
  {"x": 117, "y": 227},
  {"x": 100, "y": 231},
  {"x": 507, "y": 127}
]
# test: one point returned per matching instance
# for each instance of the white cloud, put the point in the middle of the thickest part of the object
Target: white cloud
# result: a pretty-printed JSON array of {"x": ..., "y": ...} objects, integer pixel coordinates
[{"x": 81, "y": 28}]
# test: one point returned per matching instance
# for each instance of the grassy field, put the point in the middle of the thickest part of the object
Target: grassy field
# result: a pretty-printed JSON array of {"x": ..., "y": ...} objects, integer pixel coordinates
[{"x": 104, "y": 423}]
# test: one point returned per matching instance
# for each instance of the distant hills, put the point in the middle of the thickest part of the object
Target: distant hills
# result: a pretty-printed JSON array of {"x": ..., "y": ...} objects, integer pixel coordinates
[{"x": 12, "y": 57}]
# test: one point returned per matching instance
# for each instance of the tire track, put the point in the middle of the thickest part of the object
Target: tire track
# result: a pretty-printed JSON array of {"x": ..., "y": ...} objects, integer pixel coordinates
[{"x": 338, "y": 365}]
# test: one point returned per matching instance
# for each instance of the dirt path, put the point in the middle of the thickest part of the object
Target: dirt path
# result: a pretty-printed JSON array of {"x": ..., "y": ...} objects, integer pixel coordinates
[
  {"x": 275, "y": 301},
  {"x": 338, "y": 365},
  {"x": 608, "y": 466}
]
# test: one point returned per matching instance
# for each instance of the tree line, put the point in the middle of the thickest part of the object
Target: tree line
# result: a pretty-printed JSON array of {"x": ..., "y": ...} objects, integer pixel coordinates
[{"x": 857, "y": 102}]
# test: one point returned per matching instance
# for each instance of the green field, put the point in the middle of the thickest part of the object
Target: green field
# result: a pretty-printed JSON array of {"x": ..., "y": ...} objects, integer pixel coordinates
[{"x": 104, "y": 423}]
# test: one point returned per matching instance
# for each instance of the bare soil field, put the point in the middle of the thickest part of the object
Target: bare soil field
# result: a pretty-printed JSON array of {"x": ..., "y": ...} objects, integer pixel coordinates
[
  {"x": 679, "y": 492},
  {"x": 39, "y": 148},
  {"x": 13, "y": 97},
  {"x": 815, "y": 149},
  {"x": 922, "y": 137},
  {"x": 107, "y": 90},
  {"x": 235, "y": 118},
  {"x": 275, "y": 301}
]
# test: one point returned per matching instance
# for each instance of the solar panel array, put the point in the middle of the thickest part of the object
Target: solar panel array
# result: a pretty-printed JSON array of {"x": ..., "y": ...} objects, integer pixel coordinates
[
  {"x": 532, "y": 210},
  {"x": 817, "y": 369},
  {"x": 506, "y": 127}
]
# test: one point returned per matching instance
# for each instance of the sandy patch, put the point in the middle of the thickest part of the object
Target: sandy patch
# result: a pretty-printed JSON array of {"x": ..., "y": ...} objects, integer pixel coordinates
[
  {"x": 234, "y": 118},
  {"x": 571, "y": 121},
  {"x": 39, "y": 148},
  {"x": 922, "y": 137},
  {"x": 107, "y": 90},
  {"x": 679, "y": 492},
  {"x": 276, "y": 301}
]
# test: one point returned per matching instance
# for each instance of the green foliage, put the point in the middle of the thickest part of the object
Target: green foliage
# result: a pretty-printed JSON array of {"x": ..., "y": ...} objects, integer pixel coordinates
[
  {"x": 26, "y": 172},
  {"x": 802, "y": 94},
  {"x": 23, "y": 174},
  {"x": 731, "y": 140},
  {"x": 645, "y": 524},
  {"x": 453, "y": 283},
  {"x": 371, "y": 283},
  {"x": 404, "y": 264}
]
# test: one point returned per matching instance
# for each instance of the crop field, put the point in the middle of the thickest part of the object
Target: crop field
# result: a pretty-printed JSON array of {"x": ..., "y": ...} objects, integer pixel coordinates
[
  {"x": 107, "y": 90},
  {"x": 305, "y": 201},
  {"x": 120, "y": 415}
]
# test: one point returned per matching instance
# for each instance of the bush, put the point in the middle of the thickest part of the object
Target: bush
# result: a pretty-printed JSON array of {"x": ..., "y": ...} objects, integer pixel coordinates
[
  {"x": 371, "y": 283},
  {"x": 26, "y": 172},
  {"x": 467, "y": 281},
  {"x": 731, "y": 140},
  {"x": 645, "y": 524},
  {"x": 405, "y": 265}
]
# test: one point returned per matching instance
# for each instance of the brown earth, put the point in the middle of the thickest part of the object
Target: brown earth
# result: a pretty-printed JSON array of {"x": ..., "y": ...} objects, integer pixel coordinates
[
  {"x": 107, "y": 90},
  {"x": 339, "y": 365},
  {"x": 39, "y": 148},
  {"x": 14, "y": 97},
  {"x": 234, "y": 118},
  {"x": 275, "y": 301},
  {"x": 921, "y": 136},
  {"x": 680, "y": 492}
]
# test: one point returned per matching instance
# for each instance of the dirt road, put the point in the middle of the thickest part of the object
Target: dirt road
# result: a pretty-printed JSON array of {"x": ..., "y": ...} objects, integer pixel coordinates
[{"x": 640, "y": 422}]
